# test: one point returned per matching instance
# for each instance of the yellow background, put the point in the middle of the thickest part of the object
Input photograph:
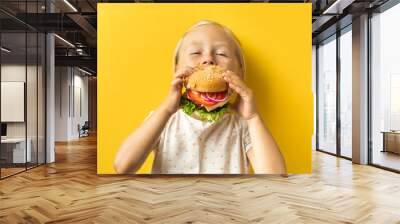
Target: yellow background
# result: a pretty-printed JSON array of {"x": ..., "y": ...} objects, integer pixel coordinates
[{"x": 135, "y": 49}]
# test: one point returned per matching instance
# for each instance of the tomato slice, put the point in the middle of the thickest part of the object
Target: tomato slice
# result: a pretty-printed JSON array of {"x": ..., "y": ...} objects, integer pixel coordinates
[{"x": 196, "y": 98}]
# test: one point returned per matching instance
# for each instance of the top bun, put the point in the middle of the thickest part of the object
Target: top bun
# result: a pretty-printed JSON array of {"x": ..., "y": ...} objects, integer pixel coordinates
[{"x": 207, "y": 78}]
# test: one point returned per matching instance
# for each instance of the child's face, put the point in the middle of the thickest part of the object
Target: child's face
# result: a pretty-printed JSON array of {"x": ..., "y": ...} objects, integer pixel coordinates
[{"x": 209, "y": 44}]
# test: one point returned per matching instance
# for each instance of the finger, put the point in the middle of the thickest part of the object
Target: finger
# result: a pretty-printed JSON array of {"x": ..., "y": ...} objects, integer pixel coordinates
[
  {"x": 244, "y": 93},
  {"x": 179, "y": 74},
  {"x": 231, "y": 78},
  {"x": 228, "y": 79},
  {"x": 176, "y": 82},
  {"x": 239, "y": 84},
  {"x": 227, "y": 74},
  {"x": 238, "y": 81},
  {"x": 230, "y": 74},
  {"x": 236, "y": 88},
  {"x": 244, "y": 90},
  {"x": 184, "y": 72}
]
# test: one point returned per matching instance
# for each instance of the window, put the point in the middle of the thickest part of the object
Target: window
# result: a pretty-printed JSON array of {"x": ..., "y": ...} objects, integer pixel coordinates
[
  {"x": 327, "y": 95},
  {"x": 385, "y": 88},
  {"x": 346, "y": 93}
]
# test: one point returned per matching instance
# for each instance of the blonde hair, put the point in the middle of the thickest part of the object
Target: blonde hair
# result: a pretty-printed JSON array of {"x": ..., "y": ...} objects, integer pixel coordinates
[{"x": 239, "y": 50}]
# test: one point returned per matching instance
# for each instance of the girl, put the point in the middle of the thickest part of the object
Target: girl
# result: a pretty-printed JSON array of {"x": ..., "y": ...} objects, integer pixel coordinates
[{"x": 185, "y": 145}]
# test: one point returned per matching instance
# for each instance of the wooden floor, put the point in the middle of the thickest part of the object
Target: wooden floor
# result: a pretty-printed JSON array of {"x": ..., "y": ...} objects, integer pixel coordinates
[
  {"x": 69, "y": 191},
  {"x": 10, "y": 171}
]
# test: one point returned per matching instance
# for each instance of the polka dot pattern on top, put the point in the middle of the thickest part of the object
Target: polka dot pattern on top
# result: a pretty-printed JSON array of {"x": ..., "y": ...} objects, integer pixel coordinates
[{"x": 190, "y": 146}]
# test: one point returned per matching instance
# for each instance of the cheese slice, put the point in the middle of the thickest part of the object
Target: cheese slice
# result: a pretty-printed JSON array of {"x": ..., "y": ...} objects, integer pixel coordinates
[{"x": 215, "y": 106}]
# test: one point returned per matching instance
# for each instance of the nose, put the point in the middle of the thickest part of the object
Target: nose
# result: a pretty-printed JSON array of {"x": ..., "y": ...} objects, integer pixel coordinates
[{"x": 207, "y": 60}]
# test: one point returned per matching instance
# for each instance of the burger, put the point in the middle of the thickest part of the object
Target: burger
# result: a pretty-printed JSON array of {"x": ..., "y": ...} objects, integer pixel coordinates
[{"x": 206, "y": 95}]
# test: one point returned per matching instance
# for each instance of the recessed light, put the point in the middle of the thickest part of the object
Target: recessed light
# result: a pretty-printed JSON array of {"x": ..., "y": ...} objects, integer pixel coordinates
[
  {"x": 64, "y": 40},
  {"x": 5, "y": 50},
  {"x": 70, "y": 5},
  {"x": 338, "y": 6},
  {"x": 84, "y": 71}
]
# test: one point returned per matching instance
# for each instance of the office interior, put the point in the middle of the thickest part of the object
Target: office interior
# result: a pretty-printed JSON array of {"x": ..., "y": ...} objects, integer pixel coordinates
[
  {"x": 367, "y": 79},
  {"x": 48, "y": 81}
]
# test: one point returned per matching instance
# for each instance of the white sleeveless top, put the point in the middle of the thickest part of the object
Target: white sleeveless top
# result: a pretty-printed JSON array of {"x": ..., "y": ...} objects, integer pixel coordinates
[{"x": 190, "y": 146}]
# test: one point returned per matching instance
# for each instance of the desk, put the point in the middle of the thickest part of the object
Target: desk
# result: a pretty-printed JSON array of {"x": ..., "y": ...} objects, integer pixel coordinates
[
  {"x": 15, "y": 148},
  {"x": 391, "y": 141}
]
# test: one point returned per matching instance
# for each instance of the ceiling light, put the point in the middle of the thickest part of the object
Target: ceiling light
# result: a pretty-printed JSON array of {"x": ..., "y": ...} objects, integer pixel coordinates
[
  {"x": 84, "y": 71},
  {"x": 5, "y": 50},
  {"x": 338, "y": 6},
  {"x": 70, "y": 5},
  {"x": 65, "y": 41}
]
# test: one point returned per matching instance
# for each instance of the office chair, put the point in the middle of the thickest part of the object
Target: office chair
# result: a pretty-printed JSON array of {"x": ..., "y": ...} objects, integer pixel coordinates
[{"x": 84, "y": 130}]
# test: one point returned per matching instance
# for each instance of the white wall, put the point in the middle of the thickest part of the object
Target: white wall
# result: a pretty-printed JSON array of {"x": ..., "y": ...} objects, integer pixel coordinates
[
  {"x": 80, "y": 83},
  {"x": 71, "y": 87},
  {"x": 62, "y": 81}
]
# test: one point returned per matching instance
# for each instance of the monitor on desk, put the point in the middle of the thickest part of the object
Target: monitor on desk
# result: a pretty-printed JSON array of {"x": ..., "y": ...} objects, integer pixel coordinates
[{"x": 3, "y": 130}]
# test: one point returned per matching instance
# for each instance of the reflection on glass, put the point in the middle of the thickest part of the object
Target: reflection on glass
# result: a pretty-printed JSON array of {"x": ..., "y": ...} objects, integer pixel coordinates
[
  {"x": 15, "y": 151},
  {"x": 327, "y": 96},
  {"x": 346, "y": 94},
  {"x": 386, "y": 88},
  {"x": 22, "y": 91}
]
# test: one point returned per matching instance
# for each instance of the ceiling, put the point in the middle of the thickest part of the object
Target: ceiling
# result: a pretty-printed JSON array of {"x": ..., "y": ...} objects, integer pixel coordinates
[{"x": 72, "y": 20}]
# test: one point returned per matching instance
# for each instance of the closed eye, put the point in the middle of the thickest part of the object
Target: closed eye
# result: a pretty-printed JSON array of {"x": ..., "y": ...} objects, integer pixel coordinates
[
  {"x": 194, "y": 53},
  {"x": 222, "y": 54}
]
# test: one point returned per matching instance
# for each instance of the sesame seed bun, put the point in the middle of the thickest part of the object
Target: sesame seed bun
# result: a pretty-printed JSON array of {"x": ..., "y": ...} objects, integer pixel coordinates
[{"x": 207, "y": 78}]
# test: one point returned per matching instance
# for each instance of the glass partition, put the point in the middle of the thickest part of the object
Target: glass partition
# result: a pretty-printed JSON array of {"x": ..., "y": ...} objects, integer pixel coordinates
[
  {"x": 346, "y": 93},
  {"x": 22, "y": 88},
  {"x": 327, "y": 95},
  {"x": 14, "y": 153}
]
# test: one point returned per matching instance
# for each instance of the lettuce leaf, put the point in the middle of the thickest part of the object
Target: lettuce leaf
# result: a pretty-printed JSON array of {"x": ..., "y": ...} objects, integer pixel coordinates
[
  {"x": 211, "y": 116},
  {"x": 187, "y": 106}
]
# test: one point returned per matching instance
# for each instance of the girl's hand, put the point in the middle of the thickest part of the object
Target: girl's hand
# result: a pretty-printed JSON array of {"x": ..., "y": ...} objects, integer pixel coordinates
[
  {"x": 171, "y": 103},
  {"x": 246, "y": 105}
]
